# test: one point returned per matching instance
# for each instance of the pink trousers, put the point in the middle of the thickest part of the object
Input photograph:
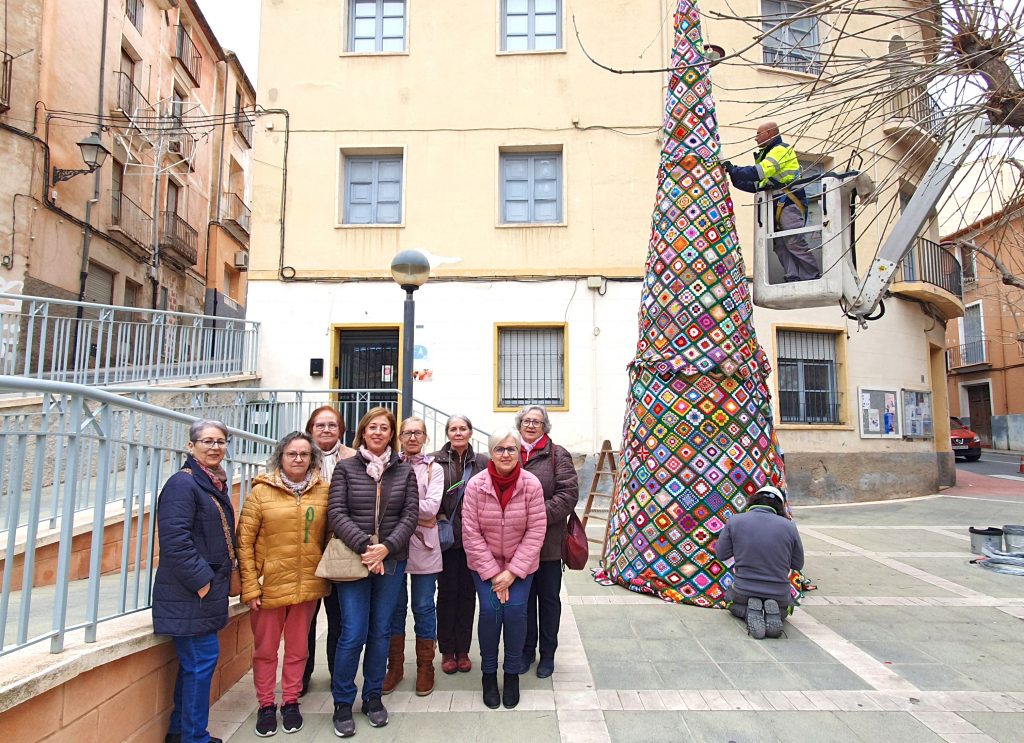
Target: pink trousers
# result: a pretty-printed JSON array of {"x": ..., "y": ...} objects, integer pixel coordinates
[{"x": 268, "y": 625}]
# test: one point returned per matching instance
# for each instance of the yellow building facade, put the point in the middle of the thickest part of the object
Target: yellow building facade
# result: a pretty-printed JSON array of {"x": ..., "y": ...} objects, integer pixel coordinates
[{"x": 481, "y": 134}]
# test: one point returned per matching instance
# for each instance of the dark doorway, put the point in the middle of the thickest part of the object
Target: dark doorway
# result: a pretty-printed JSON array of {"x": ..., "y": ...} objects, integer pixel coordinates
[
  {"x": 367, "y": 361},
  {"x": 979, "y": 403}
]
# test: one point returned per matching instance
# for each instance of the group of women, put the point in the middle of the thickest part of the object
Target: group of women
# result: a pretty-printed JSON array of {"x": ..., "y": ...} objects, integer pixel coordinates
[{"x": 467, "y": 526}]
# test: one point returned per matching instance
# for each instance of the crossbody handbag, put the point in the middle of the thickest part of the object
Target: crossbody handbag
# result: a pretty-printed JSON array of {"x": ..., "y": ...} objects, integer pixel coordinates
[
  {"x": 341, "y": 563},
  {"x": 446, "y": 528},
  {"x": 235, "y": 582}
]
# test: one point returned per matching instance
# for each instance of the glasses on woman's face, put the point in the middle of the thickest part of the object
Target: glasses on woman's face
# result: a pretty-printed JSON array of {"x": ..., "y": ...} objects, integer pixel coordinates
[
  {"x": 413, "y": 434},
  {"x": 505, "y": 451},
  {"x": 325, "y": 426},
  {"x": 531, "y": 423},
  {"x": 213, "y": 443},
  {"x": 297, "y": 456}
]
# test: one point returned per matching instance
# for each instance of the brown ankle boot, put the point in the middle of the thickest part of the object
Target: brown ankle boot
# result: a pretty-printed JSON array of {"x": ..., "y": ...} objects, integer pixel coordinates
[
  {"x": 396, "y": 661},
  {"x": 424, "y": 667}
]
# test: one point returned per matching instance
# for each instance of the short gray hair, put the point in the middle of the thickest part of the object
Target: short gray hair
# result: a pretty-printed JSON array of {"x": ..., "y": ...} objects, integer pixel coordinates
[
  {"x": 197, "y": 428},
  {"x": 546, "y": 425},
  {"x": 315, "y": 455},
  {"x": 457, "y": 417},
  {"x": 498, "y": 436}
]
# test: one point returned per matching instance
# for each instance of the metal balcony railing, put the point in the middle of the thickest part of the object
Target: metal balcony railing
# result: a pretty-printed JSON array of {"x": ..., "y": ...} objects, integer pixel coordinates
[
  {"x": 129, "y": 98},
  {"x": 794, "y": 60},
  {"x": 102, "y": 345},
  {"x": 968, "y": 354},
  {"x": 243, "y": 127},
  {"x": 132, "y": 220},
  {"x": 916, "y": 104},
  {"x": 6, "y": 63},
  {"x": 89, "y": 459},
  {"x": 182, "y": 144},
  {"x": 135, "y": 10},
  {"x": 179, "y": 239},
  {"x": 185, "y": 52},
  {"x": 933, "y": 264},
  {"x": 234, "y": 210}
]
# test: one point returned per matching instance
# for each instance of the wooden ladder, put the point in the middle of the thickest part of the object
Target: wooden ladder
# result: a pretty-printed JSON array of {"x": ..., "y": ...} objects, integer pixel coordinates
[{"x": 606, "y": 467}]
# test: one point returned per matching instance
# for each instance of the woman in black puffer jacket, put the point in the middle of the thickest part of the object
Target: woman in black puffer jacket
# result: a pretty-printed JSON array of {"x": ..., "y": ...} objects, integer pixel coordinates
[{"x": 368, "y": 604}]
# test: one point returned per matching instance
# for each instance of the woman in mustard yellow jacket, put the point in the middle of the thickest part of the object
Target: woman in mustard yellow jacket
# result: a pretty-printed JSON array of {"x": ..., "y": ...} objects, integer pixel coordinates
[{"x": 281, "y": 535}]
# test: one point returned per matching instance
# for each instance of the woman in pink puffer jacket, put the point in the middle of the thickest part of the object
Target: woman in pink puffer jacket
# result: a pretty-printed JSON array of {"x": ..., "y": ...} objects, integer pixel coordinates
[{"x": 503, "y": 526}]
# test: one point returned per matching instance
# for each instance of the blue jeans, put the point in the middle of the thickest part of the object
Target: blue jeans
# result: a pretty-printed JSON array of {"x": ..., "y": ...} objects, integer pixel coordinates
[
  {"x": 367, "y": 606},
  {"x": 424, "y": 615},
  {"x": 197, "y": 660},
  {"x": 496, "y": 617}
]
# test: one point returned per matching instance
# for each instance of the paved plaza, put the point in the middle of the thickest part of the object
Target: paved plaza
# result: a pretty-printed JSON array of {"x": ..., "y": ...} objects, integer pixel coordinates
[{"x": 904, "y": 640}]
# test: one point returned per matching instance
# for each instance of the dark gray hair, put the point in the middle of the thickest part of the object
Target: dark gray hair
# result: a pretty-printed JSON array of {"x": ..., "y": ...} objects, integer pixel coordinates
[
  {"x": 315, "y": 455},
  {"x": 197, "y": 428},
  {"x": 543, "y": 414},
  {"x": 457, "y": 417}
]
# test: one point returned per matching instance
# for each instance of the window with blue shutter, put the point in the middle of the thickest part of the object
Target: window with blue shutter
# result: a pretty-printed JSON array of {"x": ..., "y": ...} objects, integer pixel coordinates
[
  {"x": 531, "y": 187},
  {"x": 376, "y": 25},
  {"x": 373, "y": 190},
  {"x": 531, "y": 25}
]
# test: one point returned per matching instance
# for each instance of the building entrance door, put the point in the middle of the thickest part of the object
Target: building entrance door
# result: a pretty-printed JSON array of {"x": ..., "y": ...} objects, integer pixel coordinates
[
  {"x": 367, "y": 362},
  {"x": 979, "y": 404}
]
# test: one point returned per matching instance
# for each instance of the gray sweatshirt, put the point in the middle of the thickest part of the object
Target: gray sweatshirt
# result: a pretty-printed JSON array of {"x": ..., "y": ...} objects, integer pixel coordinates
[{"x": 766, "y": 547}]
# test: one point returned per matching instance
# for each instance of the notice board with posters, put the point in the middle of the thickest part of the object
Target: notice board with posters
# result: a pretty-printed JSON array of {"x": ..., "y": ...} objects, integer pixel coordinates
[
  {"x": 918, "y": 418},
  {"x": 880, "y": 415}
]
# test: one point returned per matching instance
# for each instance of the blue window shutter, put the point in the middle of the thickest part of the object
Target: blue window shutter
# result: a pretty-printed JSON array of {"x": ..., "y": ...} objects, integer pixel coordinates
[
  {"x": 373, "y": 190},
  {"x": 531, "y": 187}
]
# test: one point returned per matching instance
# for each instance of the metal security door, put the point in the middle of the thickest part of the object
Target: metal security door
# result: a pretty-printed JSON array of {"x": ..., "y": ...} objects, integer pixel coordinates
[{"x": 368, "y": 360}]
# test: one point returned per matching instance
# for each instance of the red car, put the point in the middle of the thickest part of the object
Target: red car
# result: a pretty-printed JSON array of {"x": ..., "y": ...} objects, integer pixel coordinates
[{"x": 966, "y": 443}]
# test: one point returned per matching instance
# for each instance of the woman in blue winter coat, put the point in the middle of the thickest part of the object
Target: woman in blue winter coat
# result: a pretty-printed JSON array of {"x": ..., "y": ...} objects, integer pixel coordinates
[{"x": 196, "y": 524}]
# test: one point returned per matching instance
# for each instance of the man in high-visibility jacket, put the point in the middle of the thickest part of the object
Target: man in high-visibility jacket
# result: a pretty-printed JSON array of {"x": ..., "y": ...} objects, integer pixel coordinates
[{"x": 775, "y": 167}]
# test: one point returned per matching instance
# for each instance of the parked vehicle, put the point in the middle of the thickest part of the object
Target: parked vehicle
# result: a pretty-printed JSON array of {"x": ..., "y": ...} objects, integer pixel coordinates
[{"x": 966, "y": 443}]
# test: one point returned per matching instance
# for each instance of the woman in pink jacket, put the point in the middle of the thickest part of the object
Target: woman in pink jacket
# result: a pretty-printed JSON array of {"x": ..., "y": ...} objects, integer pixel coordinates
[{"x": 503, "y": 526}]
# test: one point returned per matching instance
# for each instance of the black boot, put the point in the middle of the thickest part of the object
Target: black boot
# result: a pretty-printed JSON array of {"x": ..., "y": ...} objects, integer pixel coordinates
[
  {"x": 510, "y": 694},
  {"x": 491, "y": 697}
]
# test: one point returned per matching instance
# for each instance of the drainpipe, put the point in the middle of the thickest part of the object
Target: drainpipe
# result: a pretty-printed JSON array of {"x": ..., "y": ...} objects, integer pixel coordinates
[{"x": 219, "y": 185}]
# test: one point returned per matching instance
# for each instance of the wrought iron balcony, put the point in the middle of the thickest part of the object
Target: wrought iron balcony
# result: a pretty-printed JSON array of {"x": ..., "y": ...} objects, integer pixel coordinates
[
  {"x": 243, "y": 127},
  {"x": 933, "y": 264},
  {"x": 236, "y": 216},
  {"x": 186, "y": 53},
  {"x": 792, "y": 60},
  {"x": 178, "y": 240},
  {"x": 129, "y": 98},
  {"x": 130, "y": 219},
  {"x": 5, "y": 81},
  {"x": 972, "y": 353},
  {"x": 183, "y": 146},
  {"x": 135, "y": 10},
  {"x": 914, "y": 106}
]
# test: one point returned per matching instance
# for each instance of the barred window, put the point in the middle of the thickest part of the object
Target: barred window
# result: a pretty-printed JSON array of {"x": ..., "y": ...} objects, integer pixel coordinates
[
  {"x": 531, "y": 366},
  {"x": 791, "y": 41},
  {"x": 808, "y": 386}
]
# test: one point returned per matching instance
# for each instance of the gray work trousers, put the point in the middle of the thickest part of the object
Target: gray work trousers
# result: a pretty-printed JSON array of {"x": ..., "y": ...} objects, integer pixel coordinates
[
  {"x": 739, "y": 602},
  {"x": 798, "y": 263}
]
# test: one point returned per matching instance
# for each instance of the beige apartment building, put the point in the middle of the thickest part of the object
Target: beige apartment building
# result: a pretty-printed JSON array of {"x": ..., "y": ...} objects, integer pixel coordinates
[
  {"x": 164, "y": 221},
  {"x": 480, "y": 133}
]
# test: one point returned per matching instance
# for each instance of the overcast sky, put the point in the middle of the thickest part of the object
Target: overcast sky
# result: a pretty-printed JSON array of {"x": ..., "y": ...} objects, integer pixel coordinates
[{"x": 237, "y": 26}]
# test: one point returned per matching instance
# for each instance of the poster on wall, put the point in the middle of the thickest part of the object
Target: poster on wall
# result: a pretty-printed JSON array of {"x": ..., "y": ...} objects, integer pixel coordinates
[
  {"x": 880, "y": 417},
  {"x": 918, "y": 422}
]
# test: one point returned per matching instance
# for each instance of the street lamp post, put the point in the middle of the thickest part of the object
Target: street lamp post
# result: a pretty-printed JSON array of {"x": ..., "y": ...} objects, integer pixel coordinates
[{"x": 410, "y": 270}]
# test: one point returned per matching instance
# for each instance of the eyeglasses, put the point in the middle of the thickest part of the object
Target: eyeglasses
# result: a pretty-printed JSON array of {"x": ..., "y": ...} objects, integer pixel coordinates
[
  {"x": 298, "y": 456},
  {"x": 500, "y": 450},
  {"x": 531, "y": 422},
  {"x": 413, "y": 434},
  {"x": 213, "y": 443},
  {"x": 325, "y": 426}
]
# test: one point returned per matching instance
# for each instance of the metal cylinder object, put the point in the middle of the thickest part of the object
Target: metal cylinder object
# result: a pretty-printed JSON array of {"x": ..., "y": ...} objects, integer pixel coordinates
[
  {"x": 991, "y": 536},
  {"x": 1014, "y": 536}
]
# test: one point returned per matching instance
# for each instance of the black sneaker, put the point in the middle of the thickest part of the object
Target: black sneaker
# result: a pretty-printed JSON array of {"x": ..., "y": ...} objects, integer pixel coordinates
[
  {"x": 344, "y": 725},
  {"x": 291, "y": 718},
  {"x": 375, "y": 711},
  {"x": 266, "y": 721},
  {"x": 755, "y": 619},
  {"x": 772, "y": 619}
]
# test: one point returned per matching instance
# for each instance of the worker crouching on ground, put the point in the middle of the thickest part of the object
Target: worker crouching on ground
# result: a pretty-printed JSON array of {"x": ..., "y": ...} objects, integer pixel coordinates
[{"x": 766, "y": 546}]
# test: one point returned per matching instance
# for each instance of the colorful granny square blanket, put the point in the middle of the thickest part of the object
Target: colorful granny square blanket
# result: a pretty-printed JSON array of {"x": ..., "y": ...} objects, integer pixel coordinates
[{"x": 698, "y": 438}]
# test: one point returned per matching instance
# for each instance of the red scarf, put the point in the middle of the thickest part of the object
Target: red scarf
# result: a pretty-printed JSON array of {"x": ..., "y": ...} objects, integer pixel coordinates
[
  {"x": 538, "y": 447},
  {"x": 504, "y": 485}
]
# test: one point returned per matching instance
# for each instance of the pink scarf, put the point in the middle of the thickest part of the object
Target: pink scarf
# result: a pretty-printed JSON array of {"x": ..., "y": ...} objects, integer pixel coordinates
[{"x": 375, "y": 465}]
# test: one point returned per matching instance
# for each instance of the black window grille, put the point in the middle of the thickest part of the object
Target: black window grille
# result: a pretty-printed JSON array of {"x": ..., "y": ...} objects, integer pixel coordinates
[
  {"x": 808, "y": 388},
  {"x": 531, "y": 366}
]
